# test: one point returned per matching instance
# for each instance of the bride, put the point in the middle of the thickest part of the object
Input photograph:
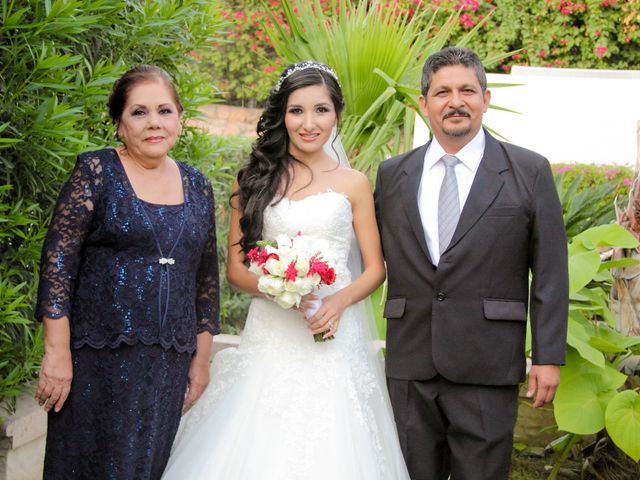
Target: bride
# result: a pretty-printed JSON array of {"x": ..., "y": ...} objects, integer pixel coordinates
[{"x": 282, "y": 406}]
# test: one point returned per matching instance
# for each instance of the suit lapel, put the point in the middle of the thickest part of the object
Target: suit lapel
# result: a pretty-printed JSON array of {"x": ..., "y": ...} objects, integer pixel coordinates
[
  {"x": 412, "y": 170},
  {"x": 484, "y": 189}
]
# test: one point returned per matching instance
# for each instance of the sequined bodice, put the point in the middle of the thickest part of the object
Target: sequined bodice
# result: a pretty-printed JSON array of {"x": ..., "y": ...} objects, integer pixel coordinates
[
  {"x": 324, "y": 216},
  {"x": 101, "y": 260}
]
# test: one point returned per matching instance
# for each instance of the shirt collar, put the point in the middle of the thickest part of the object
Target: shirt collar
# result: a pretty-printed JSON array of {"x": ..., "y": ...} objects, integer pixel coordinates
[{"x": 469, "y": 155}]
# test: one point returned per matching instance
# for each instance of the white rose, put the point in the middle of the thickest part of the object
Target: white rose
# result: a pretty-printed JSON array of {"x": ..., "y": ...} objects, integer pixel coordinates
[
  {"x": 270, "y": 286},
  {"x": 288, "y": 299},
  {"x": 315, "y": 279},
  {"x": 255, "y": 268},
  {"x": 302, "y": 266},
  {"x": 304, "y": 285},
  {"x": 290, "y": 286},
  {"x": 283, "y": 241},
  {"x": 275, "y": 267},
  {"x": 287, "y": 256}
]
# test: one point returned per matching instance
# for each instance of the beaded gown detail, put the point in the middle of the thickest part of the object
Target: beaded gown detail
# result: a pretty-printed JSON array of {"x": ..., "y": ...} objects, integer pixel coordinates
[{"x": 282, "y": 407}]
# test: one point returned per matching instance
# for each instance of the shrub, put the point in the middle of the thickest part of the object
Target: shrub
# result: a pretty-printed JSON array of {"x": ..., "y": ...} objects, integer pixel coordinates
[
  {"x": 588, "y": 192},
  {"x": 553, "y": 33},
  {"x": 243, "y": 63},
  {"x": 225, "y": 157}
]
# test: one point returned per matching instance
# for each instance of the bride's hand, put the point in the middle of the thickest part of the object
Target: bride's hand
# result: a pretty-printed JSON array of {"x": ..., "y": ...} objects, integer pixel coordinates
[
  {"x": 327, "y": 318},
  {"x": 307, "y": 302}
]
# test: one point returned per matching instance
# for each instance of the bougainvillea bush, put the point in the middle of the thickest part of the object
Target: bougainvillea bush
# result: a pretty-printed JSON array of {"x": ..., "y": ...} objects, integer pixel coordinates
[{"x": 600, "y": 34}]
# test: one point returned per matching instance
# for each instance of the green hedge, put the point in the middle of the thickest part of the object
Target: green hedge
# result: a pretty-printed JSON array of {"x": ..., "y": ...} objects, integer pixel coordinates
[
  {"x": 599, "y": 34},
  {"x": 57, "y": 63}
]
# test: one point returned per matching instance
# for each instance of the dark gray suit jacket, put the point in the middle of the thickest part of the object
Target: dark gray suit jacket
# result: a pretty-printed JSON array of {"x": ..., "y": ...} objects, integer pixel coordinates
[{"x": 466, "y": 319}]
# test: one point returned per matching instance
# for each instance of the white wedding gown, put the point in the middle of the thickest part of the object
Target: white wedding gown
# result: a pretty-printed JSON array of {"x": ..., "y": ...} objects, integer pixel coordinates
[{"x": 282, "y": 407}]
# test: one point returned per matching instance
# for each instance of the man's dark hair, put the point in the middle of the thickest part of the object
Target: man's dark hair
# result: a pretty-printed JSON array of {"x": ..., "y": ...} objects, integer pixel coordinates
[{"x": 452, "y": 56}]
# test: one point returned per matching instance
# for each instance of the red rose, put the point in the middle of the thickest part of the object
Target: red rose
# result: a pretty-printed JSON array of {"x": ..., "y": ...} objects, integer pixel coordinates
[{"x": 329, "y": 276}]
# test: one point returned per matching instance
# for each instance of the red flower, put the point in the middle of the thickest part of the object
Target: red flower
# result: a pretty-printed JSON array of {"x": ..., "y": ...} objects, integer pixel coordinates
[
  {"x": 320, "y": 267},
  {"x": 291, "y": 272},
  {"x": 253, "y": 254},
  {"x": 329, "y": 276},
  {"x": 260, "y": 255},
  {"x": 269, "y": 69}
]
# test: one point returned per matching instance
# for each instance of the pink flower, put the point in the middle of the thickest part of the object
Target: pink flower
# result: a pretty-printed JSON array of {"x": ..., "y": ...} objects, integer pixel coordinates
[
  {"x": 626, "y": 182},
  {"x": 291, "y": 272},
  {"x": 600, "y": 51},
  {"x": 269, "y": 69},
  {"x": 611, "y": 173},
  {"x": 467, "y": 21},
  {"x": 239, "y": 15}
]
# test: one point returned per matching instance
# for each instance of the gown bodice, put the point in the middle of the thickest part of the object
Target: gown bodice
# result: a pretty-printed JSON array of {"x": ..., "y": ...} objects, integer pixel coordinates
[{"x": 325, "y": 217}]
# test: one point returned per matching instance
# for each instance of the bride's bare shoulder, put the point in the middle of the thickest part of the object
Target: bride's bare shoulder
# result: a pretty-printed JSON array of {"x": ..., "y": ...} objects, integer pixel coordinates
[{"x": 353, "y": 183}]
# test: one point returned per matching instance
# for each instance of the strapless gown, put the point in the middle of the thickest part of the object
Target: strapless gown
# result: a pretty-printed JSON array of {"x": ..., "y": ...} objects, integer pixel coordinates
[{"x": 282, "y": 407}]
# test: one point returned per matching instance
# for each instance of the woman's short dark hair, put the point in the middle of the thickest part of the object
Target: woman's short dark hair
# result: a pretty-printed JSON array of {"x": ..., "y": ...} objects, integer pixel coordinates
[
  {"x": 138, "y": 74},
  {"x": 270, "y": 159}
]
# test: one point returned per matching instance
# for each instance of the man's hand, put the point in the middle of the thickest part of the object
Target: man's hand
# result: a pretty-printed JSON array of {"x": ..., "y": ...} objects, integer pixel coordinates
[{"x": 543, "y": 383}]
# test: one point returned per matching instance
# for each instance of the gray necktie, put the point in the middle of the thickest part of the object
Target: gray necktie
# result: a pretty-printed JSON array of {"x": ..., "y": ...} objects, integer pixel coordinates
[{"x": 448, "y": 203}]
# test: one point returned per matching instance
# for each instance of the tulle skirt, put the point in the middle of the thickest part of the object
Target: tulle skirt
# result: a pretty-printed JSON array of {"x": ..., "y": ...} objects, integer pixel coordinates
[{"x": 282, "y": 407}]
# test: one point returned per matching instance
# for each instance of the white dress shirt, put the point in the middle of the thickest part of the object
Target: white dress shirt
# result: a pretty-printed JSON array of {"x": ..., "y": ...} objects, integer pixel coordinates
[{"x": 433, "y": 174}]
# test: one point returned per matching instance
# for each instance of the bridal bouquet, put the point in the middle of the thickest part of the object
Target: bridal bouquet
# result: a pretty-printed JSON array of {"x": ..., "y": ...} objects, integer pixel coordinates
[{"x": 290, "y": 268}]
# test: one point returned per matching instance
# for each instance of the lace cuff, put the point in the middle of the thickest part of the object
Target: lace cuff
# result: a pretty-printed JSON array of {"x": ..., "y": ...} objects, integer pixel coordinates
[
  {"x": 62, "y": 249},
  {"x": 207, "y": 281}
]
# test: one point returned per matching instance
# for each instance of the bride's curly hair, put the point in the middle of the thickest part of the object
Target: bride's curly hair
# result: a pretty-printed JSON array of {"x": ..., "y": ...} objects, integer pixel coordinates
[{"x": 268, "y": 167}]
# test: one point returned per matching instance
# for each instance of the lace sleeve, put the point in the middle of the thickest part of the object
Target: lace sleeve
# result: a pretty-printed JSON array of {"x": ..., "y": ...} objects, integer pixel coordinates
[
  {"x": 208, "y": 299},
  {"x": 62, "y": 247}
]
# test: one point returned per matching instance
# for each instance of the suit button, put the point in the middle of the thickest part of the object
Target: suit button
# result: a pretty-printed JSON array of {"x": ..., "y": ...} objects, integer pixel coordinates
[{"x": 441, "y": 296}]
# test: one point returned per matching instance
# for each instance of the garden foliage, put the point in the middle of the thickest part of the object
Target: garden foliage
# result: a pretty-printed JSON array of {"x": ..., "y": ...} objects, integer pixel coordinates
[
  {"x": 58, "y": 60},
  {"x": 600, "y": 34},
  {"x": 594, "y": 394}
]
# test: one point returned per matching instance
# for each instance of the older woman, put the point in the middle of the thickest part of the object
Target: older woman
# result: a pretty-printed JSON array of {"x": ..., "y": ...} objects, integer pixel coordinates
[{"x": 128, "y": 293}]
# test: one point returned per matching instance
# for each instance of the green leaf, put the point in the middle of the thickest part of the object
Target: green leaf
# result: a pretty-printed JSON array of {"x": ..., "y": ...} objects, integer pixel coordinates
[
  {"x": 612, "y": 235},
  {"x": 578, "y": 337},
  {"x": 620, "y": 263},
  {"x": 583, "y": 266},
  {"x": 578, "y": 406},
  {"x": 584, "y": 393},
  {"x": 622, "y": 419}
]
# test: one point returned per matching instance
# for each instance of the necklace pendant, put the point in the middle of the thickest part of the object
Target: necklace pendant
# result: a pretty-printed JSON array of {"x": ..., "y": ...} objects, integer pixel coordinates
[{"x": 165, "y": 261}]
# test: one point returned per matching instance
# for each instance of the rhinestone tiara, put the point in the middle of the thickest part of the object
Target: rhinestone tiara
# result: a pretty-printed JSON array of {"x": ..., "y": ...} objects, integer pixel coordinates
[{"x": 298, "y": 67}]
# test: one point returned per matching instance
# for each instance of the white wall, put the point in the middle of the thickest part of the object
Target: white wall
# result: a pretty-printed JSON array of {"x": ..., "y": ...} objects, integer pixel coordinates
[{"x": 567, "y": 115}]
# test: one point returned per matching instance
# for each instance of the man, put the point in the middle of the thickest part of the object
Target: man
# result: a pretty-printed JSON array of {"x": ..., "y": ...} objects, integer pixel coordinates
[{"x": 464, "y": 219}]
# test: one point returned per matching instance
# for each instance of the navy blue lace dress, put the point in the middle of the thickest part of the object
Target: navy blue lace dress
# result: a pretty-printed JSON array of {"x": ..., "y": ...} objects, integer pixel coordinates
[{"x": 138, "y": 282}]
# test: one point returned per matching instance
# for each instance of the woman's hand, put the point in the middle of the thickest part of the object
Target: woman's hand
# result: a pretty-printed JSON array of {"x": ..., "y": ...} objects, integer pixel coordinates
[
  {"x": 307, "y": 303},
  {"x": 327, "y": 318},
  {"x": 198, "y": 379},
  {"x": 54, "y": 384}
]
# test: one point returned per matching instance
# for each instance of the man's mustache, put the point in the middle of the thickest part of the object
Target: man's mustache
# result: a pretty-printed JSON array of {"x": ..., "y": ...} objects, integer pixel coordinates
[{"x": 457, "y": 112}]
